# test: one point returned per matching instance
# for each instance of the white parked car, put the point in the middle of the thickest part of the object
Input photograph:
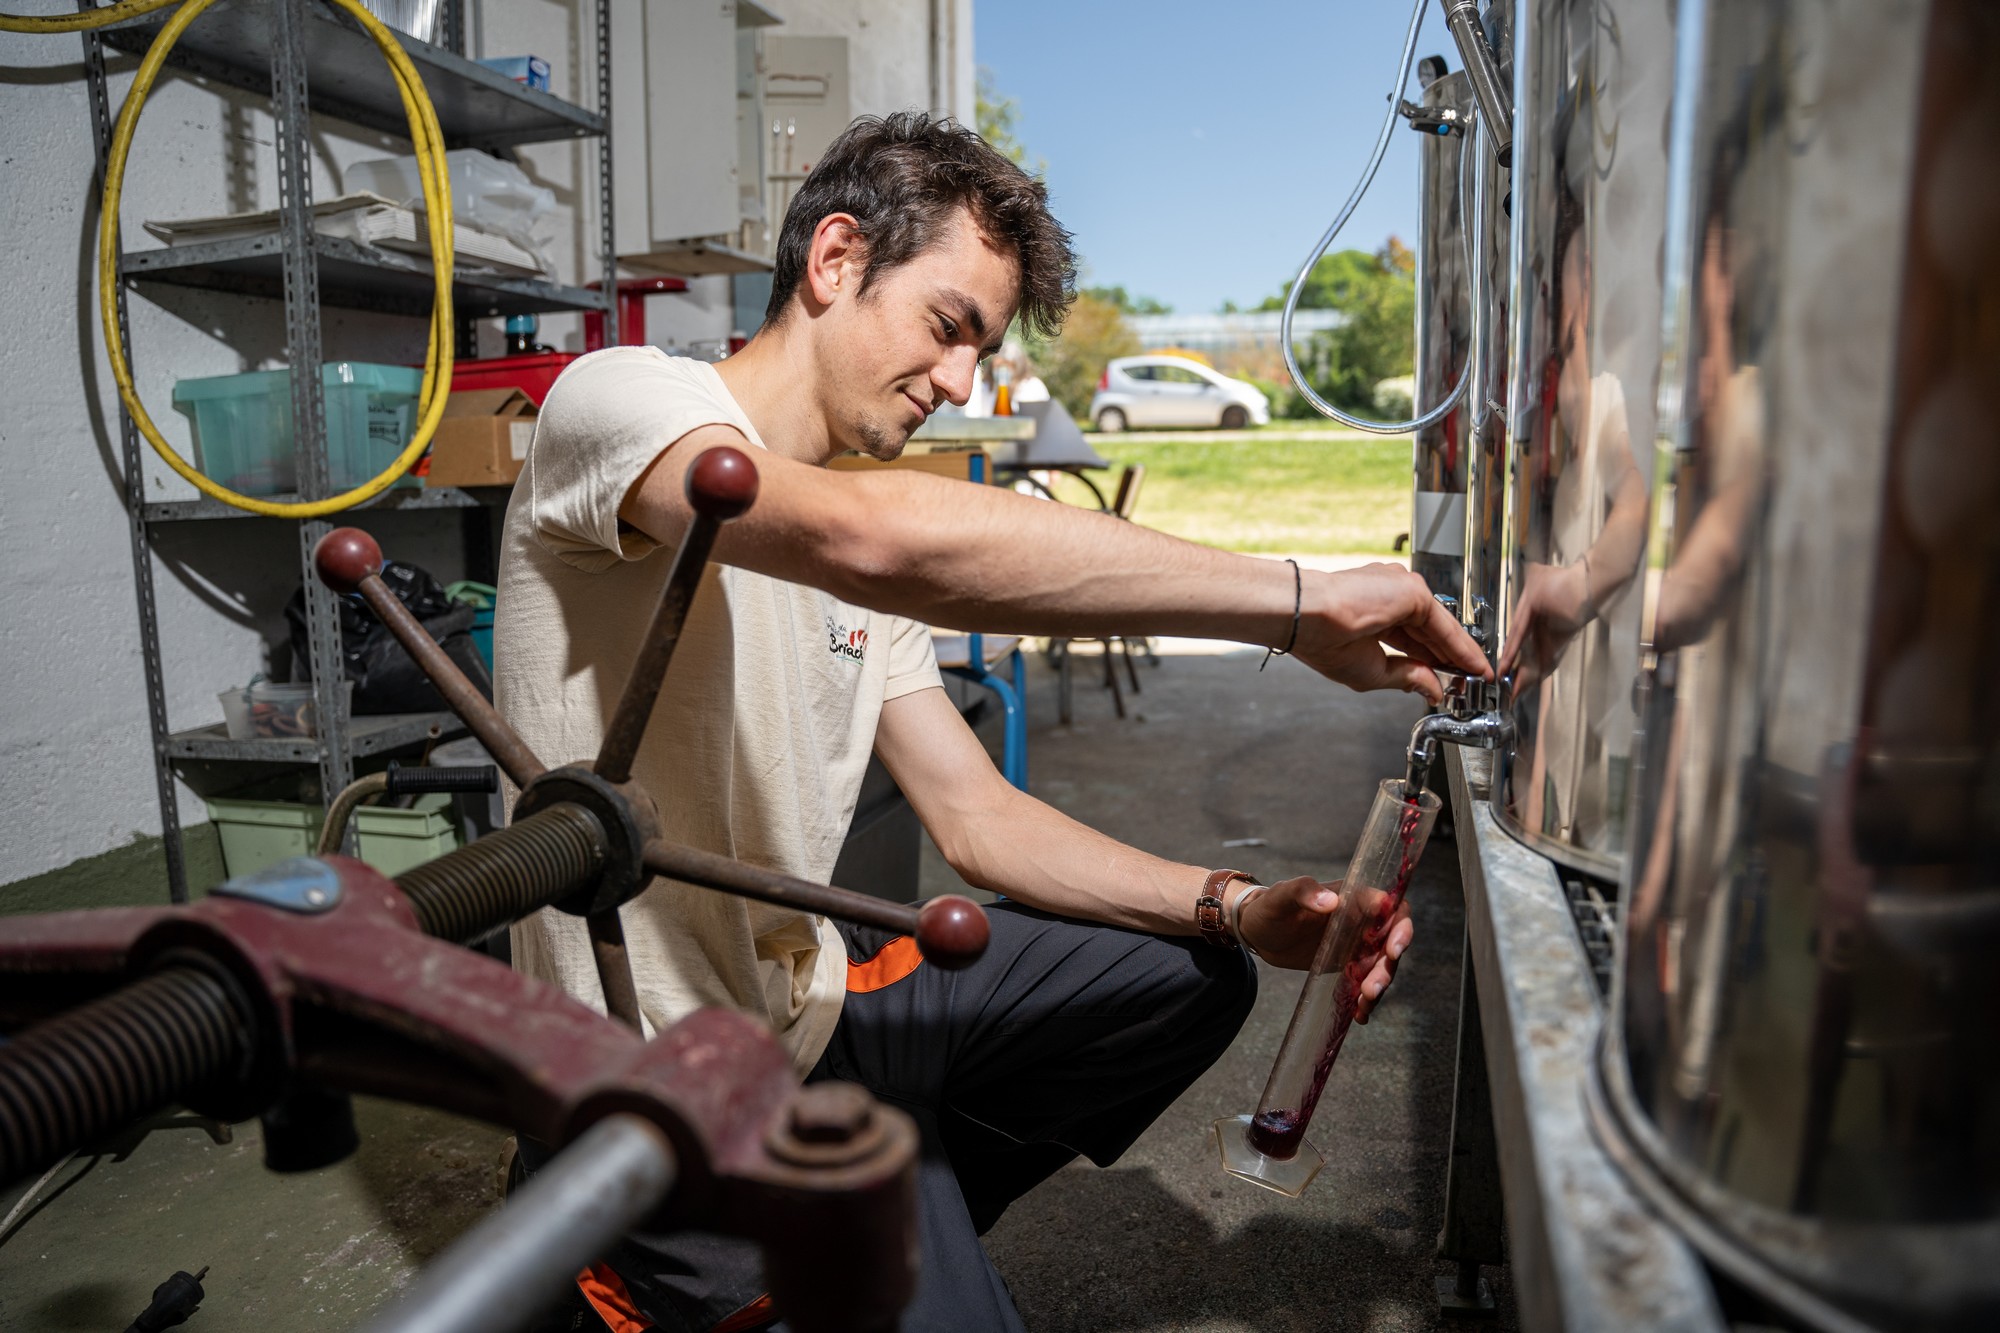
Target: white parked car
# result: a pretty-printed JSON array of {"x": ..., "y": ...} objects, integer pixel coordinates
[{"x": 1137, "y": 391}]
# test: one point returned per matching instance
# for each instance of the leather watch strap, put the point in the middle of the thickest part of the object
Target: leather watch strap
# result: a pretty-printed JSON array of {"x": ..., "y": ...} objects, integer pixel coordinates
[{"x": 1209, "y": 917}]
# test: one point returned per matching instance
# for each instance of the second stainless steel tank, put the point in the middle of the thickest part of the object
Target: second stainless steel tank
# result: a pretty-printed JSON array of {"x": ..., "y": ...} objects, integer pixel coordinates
[{"x": 1802, "y": 1064}]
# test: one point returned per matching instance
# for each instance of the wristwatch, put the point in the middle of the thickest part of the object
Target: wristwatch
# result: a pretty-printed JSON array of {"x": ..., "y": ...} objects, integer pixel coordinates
[{"x": 1209, "y": 917}]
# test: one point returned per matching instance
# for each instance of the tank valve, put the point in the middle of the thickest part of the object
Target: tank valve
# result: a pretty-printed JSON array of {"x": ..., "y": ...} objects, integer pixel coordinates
[{"x": 1488, "y": 730}]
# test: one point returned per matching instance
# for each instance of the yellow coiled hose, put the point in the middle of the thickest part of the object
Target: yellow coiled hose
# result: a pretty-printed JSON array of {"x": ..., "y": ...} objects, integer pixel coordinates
[{"x": 429, "y": 142}]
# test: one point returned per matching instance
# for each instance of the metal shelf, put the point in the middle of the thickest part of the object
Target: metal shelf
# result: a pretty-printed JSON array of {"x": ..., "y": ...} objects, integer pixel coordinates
[
  {"x": 351, "y": 275},
  {"x": 347, "y": 77},
  {"x": 396, "y": 498},
  {"x": 309, "y": 60},
  {"x": 365, "y": 736}
]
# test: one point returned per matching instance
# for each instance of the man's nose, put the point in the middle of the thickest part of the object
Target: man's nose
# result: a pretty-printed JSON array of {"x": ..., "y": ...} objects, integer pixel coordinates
[{"x": 954, "y": 373}]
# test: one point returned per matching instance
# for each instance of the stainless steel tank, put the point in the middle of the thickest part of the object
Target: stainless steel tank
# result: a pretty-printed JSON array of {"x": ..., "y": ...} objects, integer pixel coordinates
[
  {"x": 1486, "y": 394},
  {"x": 1444, "y": 342},
  {"x": 1802, "y": 1063},
  {"x": 1593, "y": 90}
]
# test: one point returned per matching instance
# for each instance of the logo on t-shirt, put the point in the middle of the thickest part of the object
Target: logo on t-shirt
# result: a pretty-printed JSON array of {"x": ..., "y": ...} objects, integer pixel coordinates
[{"x": 844, "y": 642}]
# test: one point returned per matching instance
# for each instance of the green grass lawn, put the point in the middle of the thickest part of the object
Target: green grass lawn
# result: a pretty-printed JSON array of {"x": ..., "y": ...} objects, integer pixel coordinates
[{"x": 1311, "y": 492}]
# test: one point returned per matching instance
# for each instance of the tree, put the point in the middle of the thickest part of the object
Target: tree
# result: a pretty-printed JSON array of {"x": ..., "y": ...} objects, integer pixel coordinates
[
  {"x": 1094, "y": 334},
  {"x": 1378, "y": 294},
  {"x": 1127, "y": 303},
  {"x": 994, "y": 115}
]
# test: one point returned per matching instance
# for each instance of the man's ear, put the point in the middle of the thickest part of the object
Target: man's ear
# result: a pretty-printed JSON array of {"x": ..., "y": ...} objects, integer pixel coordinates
[{"x": 833, "y": 264}]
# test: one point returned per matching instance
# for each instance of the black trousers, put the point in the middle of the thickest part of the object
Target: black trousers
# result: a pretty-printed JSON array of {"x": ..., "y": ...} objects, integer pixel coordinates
[{"x": 1066, "y": 1039}]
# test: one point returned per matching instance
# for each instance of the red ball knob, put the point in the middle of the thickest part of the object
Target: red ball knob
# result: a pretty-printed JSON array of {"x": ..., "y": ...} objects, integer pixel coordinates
[
  {"x": 346, "y": 556},
  {"x": 722, "y": 484},
  {"x": 952, "y": 932}
]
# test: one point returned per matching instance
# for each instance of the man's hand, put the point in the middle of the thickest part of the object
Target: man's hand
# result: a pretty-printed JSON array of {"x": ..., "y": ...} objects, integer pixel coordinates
[
  {"x": 1347, "y": 617},
  {"x": 1283, "y": 924}
]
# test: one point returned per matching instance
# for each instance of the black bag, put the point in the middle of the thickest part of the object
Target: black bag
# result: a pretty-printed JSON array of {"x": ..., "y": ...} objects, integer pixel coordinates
[{"x": 385, "y": 678}]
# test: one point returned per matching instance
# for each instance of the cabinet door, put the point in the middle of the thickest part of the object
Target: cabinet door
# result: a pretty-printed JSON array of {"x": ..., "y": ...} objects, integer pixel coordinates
[
  {"x": 690, "y": 119},
  {"x": 807, "y": 103}
]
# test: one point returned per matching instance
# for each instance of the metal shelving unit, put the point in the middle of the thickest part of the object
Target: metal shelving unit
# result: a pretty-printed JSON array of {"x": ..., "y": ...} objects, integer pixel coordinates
[
  {"x": 240, "y": 43},
  {"x": 352, "y": 276},
  {"x": 309, "y": 58}
]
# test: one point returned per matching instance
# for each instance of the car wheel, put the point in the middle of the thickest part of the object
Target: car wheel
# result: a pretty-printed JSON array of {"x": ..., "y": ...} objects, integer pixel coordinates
[
  {"x": 1111, "y": 420},
  {"x": 1235, "y": 417}
]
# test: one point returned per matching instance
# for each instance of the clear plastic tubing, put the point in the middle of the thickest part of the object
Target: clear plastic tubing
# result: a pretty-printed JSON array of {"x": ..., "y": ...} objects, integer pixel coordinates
[{"x": 1258, "y": 1147}]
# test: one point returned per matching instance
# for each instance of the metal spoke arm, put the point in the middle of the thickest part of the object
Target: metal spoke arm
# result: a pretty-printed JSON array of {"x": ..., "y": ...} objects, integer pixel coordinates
[{"x": 721, "y": 486}]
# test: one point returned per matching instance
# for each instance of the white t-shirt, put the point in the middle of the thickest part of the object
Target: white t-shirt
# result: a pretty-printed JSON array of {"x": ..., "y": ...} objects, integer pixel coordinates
[{"x": 763, "y": 729}]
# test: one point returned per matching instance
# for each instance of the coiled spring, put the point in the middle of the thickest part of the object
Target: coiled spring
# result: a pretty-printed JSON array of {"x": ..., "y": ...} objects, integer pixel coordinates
[
  {"x": 115, "y": 1060},
  {"x": 504, "y": 876}
]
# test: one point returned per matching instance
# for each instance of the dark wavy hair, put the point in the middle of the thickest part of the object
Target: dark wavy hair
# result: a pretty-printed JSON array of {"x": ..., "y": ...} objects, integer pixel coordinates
[{"x": 903, "y": 177}]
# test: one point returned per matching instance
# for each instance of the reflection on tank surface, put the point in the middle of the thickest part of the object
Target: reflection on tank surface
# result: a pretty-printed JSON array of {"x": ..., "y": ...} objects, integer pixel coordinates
[
  {"x": 1486, "y": 393},
  {"x": 1590, "y": 198},
  {"x": 1444, "y": 338},
  {"x": 1805, "y": 1044}
]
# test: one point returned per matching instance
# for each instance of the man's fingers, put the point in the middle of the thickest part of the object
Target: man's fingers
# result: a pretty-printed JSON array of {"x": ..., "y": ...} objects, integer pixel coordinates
[
  {"x": 1408, "y": 674},
  {"x": 1440, "y": 631},
  {"x": 1410, "y": 646}
]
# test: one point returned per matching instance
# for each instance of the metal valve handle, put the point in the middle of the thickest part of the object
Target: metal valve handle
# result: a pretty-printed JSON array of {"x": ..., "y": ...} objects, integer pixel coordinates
[{"x": 721, "y": 485}]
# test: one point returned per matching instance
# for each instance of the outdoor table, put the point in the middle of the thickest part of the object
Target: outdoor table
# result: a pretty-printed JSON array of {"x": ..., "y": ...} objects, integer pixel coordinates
[{"x": 1041, "y": 438}]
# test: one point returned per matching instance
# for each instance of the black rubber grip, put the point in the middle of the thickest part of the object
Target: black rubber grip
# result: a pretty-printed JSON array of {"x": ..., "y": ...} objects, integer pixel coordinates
[{"x": 417, "y": 781}]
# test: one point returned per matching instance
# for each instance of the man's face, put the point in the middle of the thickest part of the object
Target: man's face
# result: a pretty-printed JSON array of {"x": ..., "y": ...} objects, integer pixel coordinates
[{"x": 914, "y": 340}]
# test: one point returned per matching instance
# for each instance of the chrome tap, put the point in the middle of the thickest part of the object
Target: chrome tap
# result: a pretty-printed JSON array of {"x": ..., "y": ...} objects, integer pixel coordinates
[{"x": 1486, "y": 729}]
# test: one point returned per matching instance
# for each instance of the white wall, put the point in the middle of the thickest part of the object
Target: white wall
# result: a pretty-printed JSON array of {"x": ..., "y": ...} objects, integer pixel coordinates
[{"x": 75, "y": 769}]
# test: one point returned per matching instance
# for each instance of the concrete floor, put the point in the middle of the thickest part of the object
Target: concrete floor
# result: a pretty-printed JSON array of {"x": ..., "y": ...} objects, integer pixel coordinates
[{"x": 1162, "y": 1242}]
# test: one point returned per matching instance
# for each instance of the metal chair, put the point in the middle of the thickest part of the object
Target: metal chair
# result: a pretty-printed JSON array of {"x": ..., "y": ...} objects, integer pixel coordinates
[{"x": 1127, "y": 499}]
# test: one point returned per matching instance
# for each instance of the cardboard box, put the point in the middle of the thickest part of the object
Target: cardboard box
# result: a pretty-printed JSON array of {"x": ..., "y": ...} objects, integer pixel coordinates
[{"x": 483, "y": 438}]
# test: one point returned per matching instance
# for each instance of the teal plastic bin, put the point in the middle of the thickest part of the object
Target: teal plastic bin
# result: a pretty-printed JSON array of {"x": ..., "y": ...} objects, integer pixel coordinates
[
  {"x": 243, "y": 424},
  {"x": 480, "y": 597}
]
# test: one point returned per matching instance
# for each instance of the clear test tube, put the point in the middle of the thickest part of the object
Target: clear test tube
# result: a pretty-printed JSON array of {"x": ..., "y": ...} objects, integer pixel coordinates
[{"x": 1269, "y": 1148}]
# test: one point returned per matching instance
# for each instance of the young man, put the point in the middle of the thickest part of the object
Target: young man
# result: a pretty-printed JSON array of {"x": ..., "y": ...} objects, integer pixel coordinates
[{"x": 903, "y": 260}]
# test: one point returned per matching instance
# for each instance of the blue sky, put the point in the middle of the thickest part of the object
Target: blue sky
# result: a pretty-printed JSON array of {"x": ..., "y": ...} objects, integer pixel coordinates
[{"x": 1197, "y": 150}]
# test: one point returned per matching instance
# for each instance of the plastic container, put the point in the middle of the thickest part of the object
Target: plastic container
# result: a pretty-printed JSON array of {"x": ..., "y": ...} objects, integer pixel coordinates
[
  {"x": 287, "y": 710},
  {"x": 236, "y": 714},
  {"x": 485, "y": 191},
  {"x": 243, "y": 424},
  {"x": 418, "y": 18},
  {"x": 396, "y": 840},
  {"x": 480, "y": 597},
  {"x": 258, "y": 833},
  {"x": 255, "y": 833}
]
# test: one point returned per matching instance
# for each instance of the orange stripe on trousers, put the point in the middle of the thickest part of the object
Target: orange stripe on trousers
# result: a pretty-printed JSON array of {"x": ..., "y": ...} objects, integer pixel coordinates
[
  {"x": 607, "y": 1295},
  {"x": 891, "y": 963}
]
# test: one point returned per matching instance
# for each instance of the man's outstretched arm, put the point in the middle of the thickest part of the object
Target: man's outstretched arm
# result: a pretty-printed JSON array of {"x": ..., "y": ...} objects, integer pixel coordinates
[
  {"x": 983, "y": 558},
  {"x": 1002, "y": 839}
]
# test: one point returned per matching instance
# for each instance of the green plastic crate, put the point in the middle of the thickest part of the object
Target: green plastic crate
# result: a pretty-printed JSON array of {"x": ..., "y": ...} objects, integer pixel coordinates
[
  {"x": 256, "y": 834},
  {"x": 243, "y": 424},
  {"x": 396, "y": 840}
]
